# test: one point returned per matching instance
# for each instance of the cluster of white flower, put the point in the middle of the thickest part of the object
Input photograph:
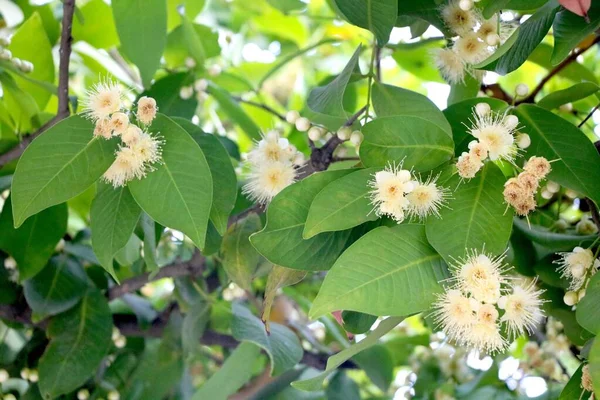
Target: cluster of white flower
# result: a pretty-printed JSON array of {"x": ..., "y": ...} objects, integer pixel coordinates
[
  {"x": 272, "y": 163},
  {"x": 470, "y": 309},
  {"x": 476, "y": 38},
  {"x": 398, "y": 194},
  {"x": 139, "y": 150},
  {"x": 496, "y": 138},
  {"x": 315, "y": 133},
  {"x": 6, "y": 55},
  {"x": 541, "y": 361},
  {"x": 30, "y": 375},
  {"x": 520, "y": 192},
  {"x": 577, "y": 266},
  {"x": 84, "y": 394},
  {"x": 586, "y": 381},
  {"x": 199, "y": 87}
]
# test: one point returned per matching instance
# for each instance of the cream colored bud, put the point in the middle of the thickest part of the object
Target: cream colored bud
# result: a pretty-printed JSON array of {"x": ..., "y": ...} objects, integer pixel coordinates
[
  {"x": 17, "y": 63},
  {"x": 303, "y": 124},
  {"x": 5, "y": 54},
  {"x": 33, "y": 376},
  {"x": 190, "y": 62},
  {"x": 214, "y": 70},
  {"x": 356, "y": 138},
  {"x": 493, "y": 39},
  {"x": 315, "y": 133},
  {"x": 120, "y": 342},
  {"x": 522, "y": 90},
  {"x": 523, "y": 141},
  {"x": 113, "y": 395},
  {"x": 3, "y": 375},
  {"x": 9, "y": 396},
  {"x": 586, "y": 227},
  {"x": 186, "y": 92},
  {"x": 344, "y": 133},
  {"x": 511, "y": 121},
  {"x": 465, "y": 5},
  {"x": 566, "y": 107},
  {"x": 580, "y": 295},
  {"x": 552, "y": 187},
  {"x": 483, "y": 109},
  {"x": 292, "y": 116},
  {"x": 10, "y": 263},
  {"x": 200, "y": 85},
  {"x": 83, "y": 394},
  {"x": 571, "y": 298},
  {"x": 5, "y": 41},
  {"x": 25, "y": 373}
]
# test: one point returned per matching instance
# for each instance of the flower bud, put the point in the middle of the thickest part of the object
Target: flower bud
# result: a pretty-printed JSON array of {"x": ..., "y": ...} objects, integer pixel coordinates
[
  {"x": 200, "y": 85},
  {"x": 482, "y": 109},
  {"x": 493, "y": 39},
  {"x": 356, "y": 138},
  {"x": 10, "y": 263},
  {"x": 315, "y": 133},
  {"x": 465, "y": 5},
  {"x": 586, "y": 227},
  {"x": 113, "y": 395},
  {"x": 83, "y": 394},
  {"x": 580, "y": 295},
  {"x": 3, "y": 375},
  {"x": 5, "y": 41},
  {"x": 344, "y": 133},
  {"x": 25, "y": 373},
  {"x": 566, "y": 107},
  {"x": 303, "y": 124},
  {"x": 214, "y": 70},
  {"x": 522, "y": 90},
  {"x": 292, "y": 116},
  {"x": 186, "y": 92},
  {"x": 5, "y": 54},
  {"x": 511, "y": 121},
  {"x": 190, "y": 62},
  {"x": 571, "y": 298}
]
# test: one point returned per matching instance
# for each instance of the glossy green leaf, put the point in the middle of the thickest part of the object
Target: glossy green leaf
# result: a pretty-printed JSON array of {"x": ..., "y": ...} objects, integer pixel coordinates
[
  {"x": 429, "y": 10},
  {"x": 576, "y": 92},
  {"x": 341, "y": 387},
  {"x": 151, "y": 237},
  {"x": 553, "y": 240},
  {"x": 178, "y": 193},
  {"x": 239, "y": 258},
  {"x": 232, "y": 375},
  {"x": 194, "y": 323},
  {"x": 281, "y": 344},
  {"x": 234, "y": 111},
  {"x": 130, "y": 253},
  {"x": 576, "y": 163},
  {"x": 464, "y": 90},
  {"x": 32, "y": 244},
  {"x": 378, "y": 16},
  {"x": 476, "y": 217},
  {"x": 388, "y": 271},
  {"x": 178, "y": 48},
  {"x": 357, "y": 322},
  {"x": 573, "y": 389},
  {"x": 166, "y": 93},
  {"x": 281, "y": 239},
  {"x": 113, "y": 217},
  {"x": 315, "y": 383},
  {"x": 493, "y": 7},
  {"x": 546, "y": 270},
  {"x": 413, "y": 141},
  {"x": 287, "y": 5},
  {"x": 390, "y": 101},
  {"x": 458, "y": 116},
  {"x": 221, "y": 169},
  {"x": 58, "y": 287},
  {"x": 588, "y": 312},
  {"x": 278, "y": 278},
  {"x": 378, "y": 364},
  {"x": 142, "y": 28},
  {"x": 342, "y": 204},
  {"x": 96, "y": 25},
  {"x": 523, "y": 41},
  {"x": 79, "y": 339},
  {"x": 594, "y": 365},
  {"x": 59, "y": 164},
  {"x": 569, "y": 29}
]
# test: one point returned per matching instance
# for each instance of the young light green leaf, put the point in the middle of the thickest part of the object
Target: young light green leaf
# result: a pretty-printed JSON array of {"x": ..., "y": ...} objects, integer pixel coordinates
[
  {"x": 574, "y": 93},
  {"x": 278, "y": 278},
  {"x": 588, "y": 312},
  {"x": 281, "y": 344},
  {"x": 315, "y": 383},
  {"x": 413, "y": 141},
  {"x": 113, "y": 217},
  {"x": 378, "y": 16},
  {"x": 575, "y": 161},
  {"x": 569, "y": 29},
  {"x": 573, "y": 389},
  {"x": 178, "y": 193},
  {"x": 79, "y": 340},
  {"x": 239, "y": 258},
  {"x": 388, "y": 271},
  {"x": 594, "y": 365},
  {"x": 341, "y": 205},
  {"x": 390, "y": 101},
  {"x": 32, "y": 244},
  {"x": 235, "y": 112},
  {"x": 194, "y": 323},
  {"x": 59, "y": 164},
  {"x": 142, "y": 28},
  {"x": 476, "y": 216},
  {"x": 58, "y": 287},
  {"x": 378, "y": 364},
  {"x": 281, "y": 240},
  {"x": 97, "y": 25}
]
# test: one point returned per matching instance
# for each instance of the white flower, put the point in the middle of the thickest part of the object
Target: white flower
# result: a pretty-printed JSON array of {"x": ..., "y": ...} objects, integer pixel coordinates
[
  {"x": 132, "y": 134},
  {"x": 126, "y": 167},
  {"x": 481, "y": 276},
  {"x": 471, "y": 48},
  {"x": 267, "y": 179},
  {"x": 538, "y": 166},
  {"x": 522, "y": 308},
  {"x": 272, "y": 147},
  {"x": 119, "y": 122},
  {"x": 458, "y": 20},
  {"x": 455, "y": 313},
  {"x": 147, "y": 148},
  {"x": 389, "y": 190},
  {"x": 485, "y": 333},
  {"x": 498, "y": 138},
  {"x": 103, "y": 128},
  {"x": 575, "y": 265},
  {"x": 146, "y": 110},
  {"x": 468, "y": 165},
  {"x": 426, "y": 198},
  {"x": 478, "y": 149},
  {"x": 102, "y": 100},
  {"x": 450, "y": 65}
]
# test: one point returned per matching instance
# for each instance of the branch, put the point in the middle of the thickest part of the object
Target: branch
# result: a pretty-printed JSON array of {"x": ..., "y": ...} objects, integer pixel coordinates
[
  {"x": 63, "y": 85},
  {"x": 495, "y": 90},
  {"x": 588, "y": 116},
  {"x": 260, "y": 105},
  {"x": 571, "y": 58}
]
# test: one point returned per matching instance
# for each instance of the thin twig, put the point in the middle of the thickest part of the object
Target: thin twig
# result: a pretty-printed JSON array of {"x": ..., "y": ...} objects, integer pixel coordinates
[
  {"x": 63, "y": 85},
  {"x": 135, "y": 78},
  {"x": 588, "y": 116},
  {"x": 260, "y": 105}
]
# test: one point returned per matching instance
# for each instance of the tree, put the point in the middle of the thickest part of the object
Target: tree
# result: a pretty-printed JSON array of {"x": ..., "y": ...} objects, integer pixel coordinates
[{"x": 280, "y": 199}]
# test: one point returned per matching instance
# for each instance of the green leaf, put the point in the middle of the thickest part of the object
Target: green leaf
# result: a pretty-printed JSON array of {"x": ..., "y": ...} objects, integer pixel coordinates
[
  {"x": 429, "y": 10},
  {"x": 459, "y": 115},
  {"x": 223, "y": 174},
  {"x": 234, "y": 373},
  {"x": 575, "y": 72},
  {"x": 113, "y": 217},
  {"x": 341, "y": 205},
  {"x": 390, "y": 101},
  {"x": 577, "y": 163},
  {"x": 378, "y": 364},
  {"x": 495, "y": 6},
  {"x": 547, "y": 272},
  {"x": 40, "y": 55},
  {"x": 378, "y": 16},
  {"x": 278, "y": 278},
  {"x": 166, "y": 93},
  {"x": 79, "y": 340},
  {"x": 522, "y": 42},
  {"x": 553, "y": 240},
  {"x": 179, "y": 41},
  {"x": 59, "y": 164},
  {"x": 315, "y": 383},
  {"x": 476, "y": 217},
  {"x": 130, "y": 253},
  {"x": 239, "y": 258},
  {"x": 464, "y": 90},
  {"x": 341, "y": 387},
  {"x": 234, "y": 111},
  {"x": 281, "y": 239},
  {"x": 58, "y": 287},
  {"x": 194, "y": 324},
  {"x": 96, "y": 25},
  {"x": 286, "y": 6},
  {"x": 281, "y": 344},
  {"x": 32, "y": 244},
  {"x": 328, "y": 100},
  {"x": 574, "y": 93},
  {"x": 151, "y": 233},
  {"x": 142, "y": 28},
  {"x": 178, "y": 194},
  {"x": 594, "y": 365},
  {"x": 357, "y": 322},
  {"x": 569, "y": 29},
  {"x": 573, "y": 389},
  {"x": 588, "y": 312},
  {"x": 402, "y": 346},
  {"x": 388, "y": 271},
  {"x": 413, "y": 141}
]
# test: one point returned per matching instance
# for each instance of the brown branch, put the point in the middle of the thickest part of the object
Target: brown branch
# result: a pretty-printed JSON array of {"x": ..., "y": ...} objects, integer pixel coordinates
[
  {"x": 571, "y": 58},
  {"x": 63, "y": 85},
  {"x": 495, "y": 90},
  {"x": 588, "y": 116},
  {"x": 257, "y": 208},
  {"x": 261, "y": 106}
]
